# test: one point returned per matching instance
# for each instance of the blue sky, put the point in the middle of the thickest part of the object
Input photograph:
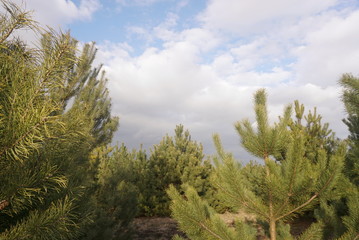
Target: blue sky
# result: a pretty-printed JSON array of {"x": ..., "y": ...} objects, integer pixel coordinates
[
  {"x": 199, "y": 62},
  {"x": 117, "y": 22}
]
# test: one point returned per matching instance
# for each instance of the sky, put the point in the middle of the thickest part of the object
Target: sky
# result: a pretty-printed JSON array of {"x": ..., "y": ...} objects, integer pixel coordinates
[{"x": 198, "y": 63}]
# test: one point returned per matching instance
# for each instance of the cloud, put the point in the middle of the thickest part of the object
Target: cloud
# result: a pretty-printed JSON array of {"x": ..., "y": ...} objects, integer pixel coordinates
[
  {"x": 205, "y": 76},
  {"x": 206, "y": 80},
  {"x": 163, "y": 87},
  {"x": 138, "y": 2},
  {"x": 181, "y": 4},
  {"x": 256, "y": 16},
  {"x": 329, "y": 52},
  {"x": 57, "y": 13},
  {"x": 155, "y": 75}
]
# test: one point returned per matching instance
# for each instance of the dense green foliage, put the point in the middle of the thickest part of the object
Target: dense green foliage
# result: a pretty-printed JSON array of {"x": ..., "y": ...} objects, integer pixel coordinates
[
  {"x": 276, "y": 191},
  {"x": 351, "y": 101},
  {"x": 27, "y": 121},
  {"x": 317, "y": 135},
  {"x": 341, "y": 215},
  {"x": 178, "y": 161},
  {"x": 116, "y": 197},
  {"x": 46, "y": 174}
]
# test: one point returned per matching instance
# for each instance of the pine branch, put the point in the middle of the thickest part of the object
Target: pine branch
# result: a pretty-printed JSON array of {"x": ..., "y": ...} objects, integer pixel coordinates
[
  {"x": 291, "y": 183},
  {"x": 253, "y": 207},
  {"x": 309, "y": 200},
  {"x": 18, "y": 19},
  {"x": 23, "y": 136},
  {"x": 209, "y": 230}
]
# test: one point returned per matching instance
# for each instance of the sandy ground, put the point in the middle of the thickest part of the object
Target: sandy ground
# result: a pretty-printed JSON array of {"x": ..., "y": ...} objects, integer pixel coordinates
[
  {"x": 155, "y": 228},
  {"x": 164, "y": 228}
]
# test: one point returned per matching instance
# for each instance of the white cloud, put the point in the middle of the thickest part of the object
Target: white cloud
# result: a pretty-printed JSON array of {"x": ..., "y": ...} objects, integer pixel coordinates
[
  {"x": 156, "y": 75},
  {"x": 202, "y": 39},
  {"x": 164, "y": 30},
  {"x": 136, "y": 32},
  {"x": 259, "y": 52},
  {"x": 256, "y": 16},
  {"x": 161, "y": 88},
  {"x": 57, "y": 13},
  {"x": 206, "y": 78},
  {"x": 181, "y": 4},
  {"x": 329, "y": 52},
  {"x": 138, "y": 2}
]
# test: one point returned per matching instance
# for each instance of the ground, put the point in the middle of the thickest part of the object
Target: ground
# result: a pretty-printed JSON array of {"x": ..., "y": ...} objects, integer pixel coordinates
[
  {"x": 164, "y": 228},
  {"x": 155, "y": 228}
]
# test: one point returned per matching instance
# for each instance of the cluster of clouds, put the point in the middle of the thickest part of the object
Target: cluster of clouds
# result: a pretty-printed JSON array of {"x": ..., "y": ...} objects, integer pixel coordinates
[
  {"x": 58, "y": 13},
  {"x": 204, "y": 75}
]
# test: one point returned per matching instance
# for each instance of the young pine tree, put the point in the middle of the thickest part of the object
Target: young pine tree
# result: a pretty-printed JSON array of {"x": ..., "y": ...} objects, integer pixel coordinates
[
  {"x": 176, "y": 160},
  {"x": 84, "y": 108},
  {"x": 26, "y": 123},
  {"x": 116, "y": 196},
  {"x": 350, "y": 98},
  {"x": 279, "y": 190},
  {"x": 318, "y": 135},
  {"x": 46, "y": 174}
]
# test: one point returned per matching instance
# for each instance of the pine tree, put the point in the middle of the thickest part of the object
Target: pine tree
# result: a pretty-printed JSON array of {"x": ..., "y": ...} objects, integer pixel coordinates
[
  {"x": 351, "y": 221},
  {"x": 90, "y": 114},
  {"x": 175, "y": 160},
  {"x": 350, "y": 98},
  {"x": 116, "y": 202},
  {"x": 84, "y": 108},
  {"x": 87, "y": 120},
  {"x": 282, "y": 189},
  {"x": 54, "y": 111},
  {"x": 351, "y": 101},
  {"x": 318, "y": 135},
  {"x": 91, "y": 96},
  {"x": 26, "y": 123}
]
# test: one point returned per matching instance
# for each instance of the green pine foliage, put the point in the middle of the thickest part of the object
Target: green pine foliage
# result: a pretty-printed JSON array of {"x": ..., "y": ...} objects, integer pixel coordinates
[
  {"x": 116, "y": 196},
  {"x": 54, "y": 111},
  {"x": 350, "y": 98},
  {"x": 281, "y": 190},
  {"x": 88, "y": 125},
  {"x": 175, "y": 160},
  {"x": 56, "y": 222},
  {"x": 352, "y": 159},
  {"x": 200, "y": 221},
  {"x": 351, "y": 221},
  {"x": 350, "y": 95},
  {"x": 26, "y": 123},
  {"x": 317, "y": 135}
]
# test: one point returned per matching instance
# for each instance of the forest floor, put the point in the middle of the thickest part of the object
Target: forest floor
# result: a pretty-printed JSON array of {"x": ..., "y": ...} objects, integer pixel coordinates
[
  {"x": 155, "y": 228},
  {"x": 164, "y": 228}
]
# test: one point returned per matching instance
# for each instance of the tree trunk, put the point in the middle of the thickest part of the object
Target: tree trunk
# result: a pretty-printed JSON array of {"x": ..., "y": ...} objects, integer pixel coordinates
[{"x": 272, "y": 229}]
